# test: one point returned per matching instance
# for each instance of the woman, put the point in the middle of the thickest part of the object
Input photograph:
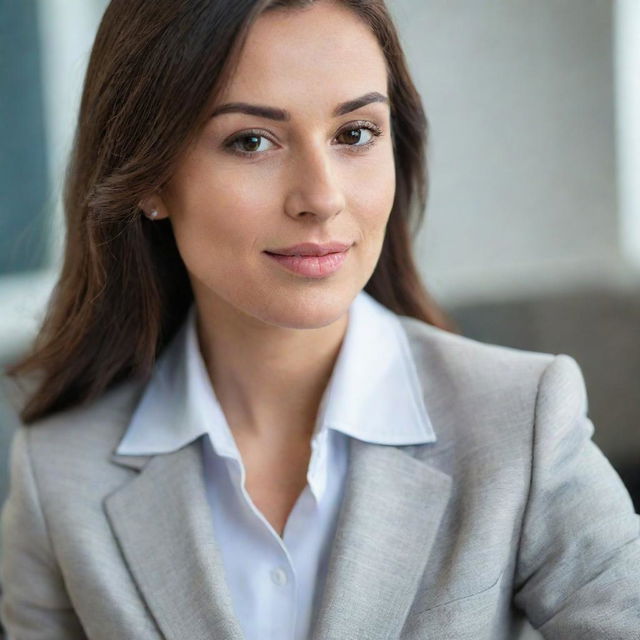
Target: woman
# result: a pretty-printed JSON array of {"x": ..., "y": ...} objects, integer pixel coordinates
[{"x": 245, "y": 416}]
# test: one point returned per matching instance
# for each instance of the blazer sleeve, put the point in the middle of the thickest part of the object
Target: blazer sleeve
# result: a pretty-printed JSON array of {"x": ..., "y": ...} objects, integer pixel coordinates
[
  {"x": 578, "y": 567},
  {"x": 34, "y": 604}
]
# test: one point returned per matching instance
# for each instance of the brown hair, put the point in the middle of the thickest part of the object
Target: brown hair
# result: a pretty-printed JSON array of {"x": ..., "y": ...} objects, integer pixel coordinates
[{"x": 123, "y": 289}]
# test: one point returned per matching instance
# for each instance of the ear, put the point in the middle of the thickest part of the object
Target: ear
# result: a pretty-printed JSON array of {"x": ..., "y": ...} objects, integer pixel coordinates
[{"x": 151, "y": 205}]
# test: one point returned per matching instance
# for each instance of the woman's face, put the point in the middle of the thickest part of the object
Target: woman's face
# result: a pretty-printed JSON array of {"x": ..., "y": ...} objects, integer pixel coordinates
[{"x": 253, "y": 183}]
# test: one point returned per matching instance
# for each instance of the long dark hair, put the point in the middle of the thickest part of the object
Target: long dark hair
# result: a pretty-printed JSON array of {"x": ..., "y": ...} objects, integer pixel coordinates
[{"x": 123, "y": 289}]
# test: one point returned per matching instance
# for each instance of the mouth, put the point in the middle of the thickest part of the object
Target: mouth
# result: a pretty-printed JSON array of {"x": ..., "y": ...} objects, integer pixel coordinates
[
  {"x": 311, "y": 266},
  {"x": 312, "y": 249},
  {"x": 303, "y": 255}
]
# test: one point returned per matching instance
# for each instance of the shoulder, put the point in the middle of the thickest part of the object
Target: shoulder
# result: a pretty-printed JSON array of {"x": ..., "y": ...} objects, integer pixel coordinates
[
  {"x": 466, "y": 360},
  {"x": 80, "y": 440},
  {"x": 475, "y": 382}
]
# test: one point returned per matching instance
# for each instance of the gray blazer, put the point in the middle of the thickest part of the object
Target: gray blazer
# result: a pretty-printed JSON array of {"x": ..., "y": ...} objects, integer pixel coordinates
[{"x": 514, "y": 512}]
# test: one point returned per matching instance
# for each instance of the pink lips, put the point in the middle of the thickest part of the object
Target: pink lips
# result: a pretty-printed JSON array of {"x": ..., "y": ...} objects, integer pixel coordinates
[
  {"x": 323, "y": 263},
  {"x": 312, "y": 249}
]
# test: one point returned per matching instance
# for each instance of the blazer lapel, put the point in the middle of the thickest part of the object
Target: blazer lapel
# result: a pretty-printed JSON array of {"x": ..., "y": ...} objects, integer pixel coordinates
[
  {"x": 392, "y": 508},
  {"x": 163, "y": 524},
  {"x": 390, "y": 513}
]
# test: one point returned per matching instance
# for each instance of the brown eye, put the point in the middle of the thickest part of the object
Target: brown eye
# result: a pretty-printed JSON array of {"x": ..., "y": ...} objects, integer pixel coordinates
[
  {"x": 351, "y": 136},
  {"x": 359, "y": 135},
  {"x": 248, "y": 143}
]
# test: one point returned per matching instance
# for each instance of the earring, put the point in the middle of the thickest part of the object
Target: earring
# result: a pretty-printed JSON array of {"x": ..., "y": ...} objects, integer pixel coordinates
[{"x": 153, "y": 215}]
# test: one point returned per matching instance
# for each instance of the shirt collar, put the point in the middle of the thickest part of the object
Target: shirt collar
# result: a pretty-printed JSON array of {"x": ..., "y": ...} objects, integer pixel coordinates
[{"x": 374, "y": 392}]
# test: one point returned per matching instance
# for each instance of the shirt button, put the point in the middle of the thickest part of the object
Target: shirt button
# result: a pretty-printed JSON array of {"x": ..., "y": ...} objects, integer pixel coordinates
[{"x": 279, "y": 576}]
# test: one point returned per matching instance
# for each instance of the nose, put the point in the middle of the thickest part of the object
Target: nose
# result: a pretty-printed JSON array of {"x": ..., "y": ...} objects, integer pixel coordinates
[{"x": 315, "y": 187}]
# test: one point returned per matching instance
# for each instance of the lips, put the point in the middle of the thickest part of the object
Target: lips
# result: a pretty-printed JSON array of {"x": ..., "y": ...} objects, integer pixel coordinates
[
  {"x": 311, "y": 249},
  {"x": 311, "y": 266}
]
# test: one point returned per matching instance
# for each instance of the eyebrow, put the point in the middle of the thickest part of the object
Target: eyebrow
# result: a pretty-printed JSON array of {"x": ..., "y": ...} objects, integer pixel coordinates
[{"x": 273, "y": 113}]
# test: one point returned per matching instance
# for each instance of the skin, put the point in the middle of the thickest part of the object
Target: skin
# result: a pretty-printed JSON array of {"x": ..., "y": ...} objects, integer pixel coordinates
[{"x": 270, "y": 338}]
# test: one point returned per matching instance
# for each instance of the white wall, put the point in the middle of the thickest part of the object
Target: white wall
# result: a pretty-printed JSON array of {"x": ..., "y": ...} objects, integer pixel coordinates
[{"x": 627, "y": 15}]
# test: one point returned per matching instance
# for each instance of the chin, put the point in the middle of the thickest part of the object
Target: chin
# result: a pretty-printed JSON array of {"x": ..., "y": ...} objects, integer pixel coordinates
[{"x": 310, "y": 310}]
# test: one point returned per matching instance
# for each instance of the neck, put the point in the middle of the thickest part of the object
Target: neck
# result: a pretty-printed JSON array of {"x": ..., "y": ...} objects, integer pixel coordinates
[{"x": 268, "y": 379}]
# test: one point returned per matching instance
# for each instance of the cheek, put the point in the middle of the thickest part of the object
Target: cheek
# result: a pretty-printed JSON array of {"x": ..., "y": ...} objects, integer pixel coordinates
[
  {"x": 216, "y": 216},
  {"x": 373, "y": 194}
]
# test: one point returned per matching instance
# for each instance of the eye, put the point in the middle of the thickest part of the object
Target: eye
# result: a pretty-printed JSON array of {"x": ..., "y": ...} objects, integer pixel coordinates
[
  {"x": 353, "y": 135},
  {"x": 247, "y": 143}
]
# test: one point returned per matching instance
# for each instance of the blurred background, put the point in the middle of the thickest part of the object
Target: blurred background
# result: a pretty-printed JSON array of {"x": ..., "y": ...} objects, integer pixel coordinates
[{"x": 532, "y": 232}]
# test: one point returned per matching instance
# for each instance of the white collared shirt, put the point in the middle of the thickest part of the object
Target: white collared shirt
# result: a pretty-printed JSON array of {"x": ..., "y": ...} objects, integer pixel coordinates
[{"x": 373, "y": 394}]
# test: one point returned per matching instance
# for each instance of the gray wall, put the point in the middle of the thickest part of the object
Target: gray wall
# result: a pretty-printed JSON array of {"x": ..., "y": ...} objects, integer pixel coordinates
[{"x": 520, "y": 99}]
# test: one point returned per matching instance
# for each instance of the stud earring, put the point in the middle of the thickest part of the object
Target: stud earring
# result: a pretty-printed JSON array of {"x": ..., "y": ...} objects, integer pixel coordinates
[{"x": 153, "y": 215}]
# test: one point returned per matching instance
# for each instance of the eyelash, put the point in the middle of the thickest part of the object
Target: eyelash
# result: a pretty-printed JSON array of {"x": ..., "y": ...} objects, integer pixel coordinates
[{"x": 354, "y": 126}]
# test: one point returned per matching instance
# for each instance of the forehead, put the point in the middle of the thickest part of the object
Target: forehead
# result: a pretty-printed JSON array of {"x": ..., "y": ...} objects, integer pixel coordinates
[{"x": 321, "y": 54}]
